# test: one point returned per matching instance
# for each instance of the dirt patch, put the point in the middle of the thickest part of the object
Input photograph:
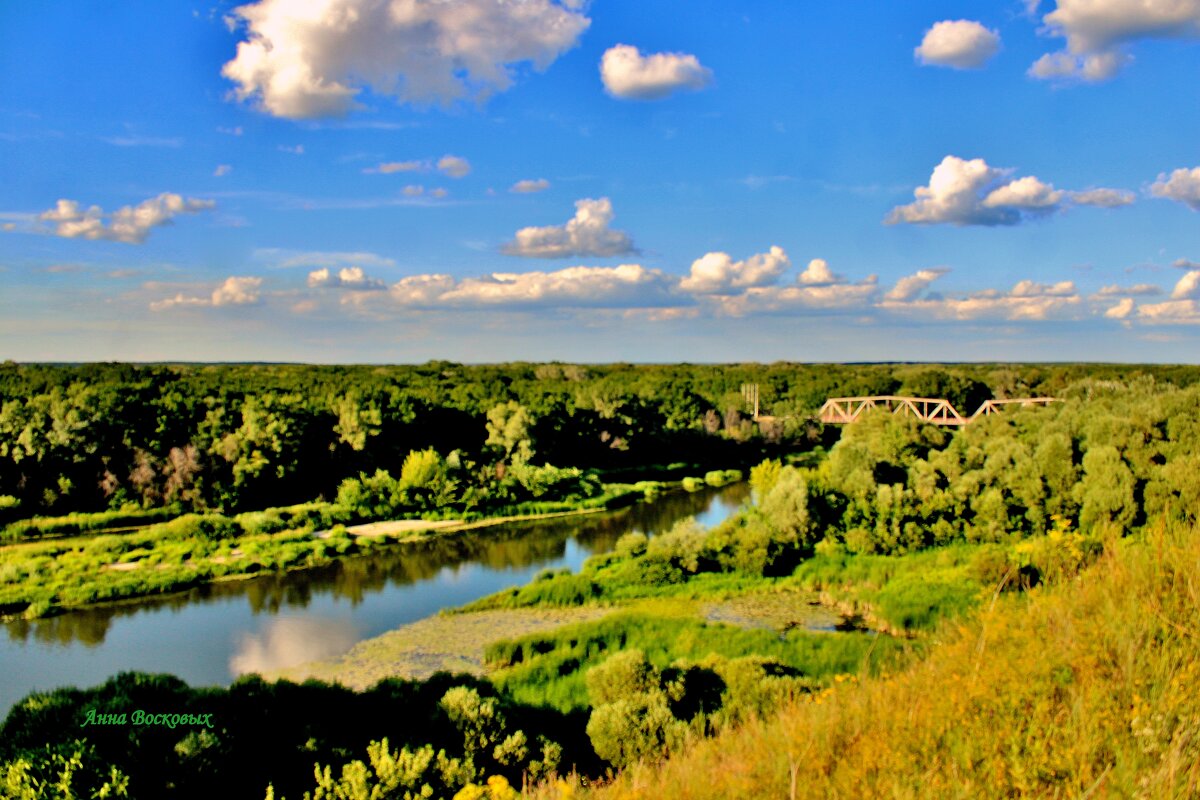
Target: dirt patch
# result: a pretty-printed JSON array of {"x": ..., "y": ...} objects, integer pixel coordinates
[{"x": 780, "y": 611}]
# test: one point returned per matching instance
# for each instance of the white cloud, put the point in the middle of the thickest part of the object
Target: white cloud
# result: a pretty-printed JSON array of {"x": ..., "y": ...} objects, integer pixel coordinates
[
  {"x": 1026, "y": 193},
  {"x": 222, "y": 170},
  {"x": 960, "y": 43},
  {"x": 1028, "y": 300},
  {"x": 1103, "y": 198},
  {"x": 345, "y": 278},
  {"x": 1183, "y": 185},
  {"x": 718, "y": 273},
  {"x": 237, "y": 131},
  {"x": 817, "y": 272},
  {"x": 1178, "y": 312},
  {"x": 391, "y": 167},
  {"x": 296, "y": 150},
  {"x": 586, "y": 234},
  {"x": 307, "y": 58},
  {"x": 1121, "y": 310},
  {"x": 631, "y": 76},
  {"x": 1183, "y": 263},
  {"x": 530, "y": 186},
  {"x": 438, "y": 192},
  {"x": 237, "y": 291},
  {"x": 954, "y": 195},
  {"x": 629, "y": 285},
  {"x": 1028, "y": 288},
  {"x": 1113, "y": 290},
  {"x": 1093, "y": 67},
  {"x": 234, "y": 291},
  {"x": 454, "y": 166},
  {"x": 908, "y": 287},
  {"x": 413, "y": 190},
  {"x": 799, "y": 297},
  {"x": 320, "y": 258},
  {"x": 129, "y": 224},
  {"x": 962, "y": 192},
  {"x": 1187, "y": 286},
  {"x": 1098, "y": 30}
]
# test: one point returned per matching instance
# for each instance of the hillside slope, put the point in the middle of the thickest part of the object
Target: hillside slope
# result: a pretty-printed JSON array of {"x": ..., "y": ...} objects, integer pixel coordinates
[{"x": 1089, "y": 688}]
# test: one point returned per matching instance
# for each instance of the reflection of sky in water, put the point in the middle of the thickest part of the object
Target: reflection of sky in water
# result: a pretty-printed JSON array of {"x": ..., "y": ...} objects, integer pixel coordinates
[
  {"x": 300, "y": 617},
  {"x": 285, "y": 641}
]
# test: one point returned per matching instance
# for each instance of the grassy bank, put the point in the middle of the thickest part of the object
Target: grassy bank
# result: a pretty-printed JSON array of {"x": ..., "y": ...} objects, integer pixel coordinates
[{"x": 1085, "y": 688}]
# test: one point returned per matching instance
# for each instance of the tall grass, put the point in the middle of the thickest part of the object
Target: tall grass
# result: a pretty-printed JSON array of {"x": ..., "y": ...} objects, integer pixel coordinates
[
  {"x": 548, "y": 669},
  {"x": 1087, "y": 688}
]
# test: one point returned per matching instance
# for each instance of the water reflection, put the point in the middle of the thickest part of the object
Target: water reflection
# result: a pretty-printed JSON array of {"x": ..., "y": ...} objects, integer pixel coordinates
[
  {"x": 209, "y": 634},
  {"x": 292, "y": 640}
]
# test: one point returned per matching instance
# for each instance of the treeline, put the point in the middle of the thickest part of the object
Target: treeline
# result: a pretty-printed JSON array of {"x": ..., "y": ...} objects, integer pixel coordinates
[{"x": 231, "y": 438}]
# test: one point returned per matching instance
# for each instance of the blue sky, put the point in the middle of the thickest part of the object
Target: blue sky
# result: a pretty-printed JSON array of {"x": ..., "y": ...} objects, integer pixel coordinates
[{"x": 487, "y": 180}]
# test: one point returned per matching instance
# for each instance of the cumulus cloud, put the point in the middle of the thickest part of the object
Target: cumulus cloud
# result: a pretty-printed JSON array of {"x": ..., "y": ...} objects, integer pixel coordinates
[
  {"x": 955, "y": 195},
  {"x": 1103, "y": 198},
  {"x": 1187, "y": 286},
  {"x": 454, "y": 166},
  {"x": 413, "y": 190},
  {"x": 962, "y": 192},
  {"x": 303, "y": 59},
  {"x": 234, "y": 291},
  {"x": 960, "y": 43},
  {"x": 1028, "y": 300},
  {"x": 586, "y": 234},
  {"x": 129, "y": 224},
  {"x": 817, "y": 272},
  {"x": 1026, "y": 193},
  {"x": 438, "y": 192},
  {"x": 910, "y": 286},
  {"x": 1171, "y": 312},
  {"x": 1097, "y": 32},
  {"x": 629, "y": 75},
  {"x": 624, "y": 285},
  {"x": 345, "y": 278},
  {"x": 1121, "y": 310},
  {"x": 237, "y": 291},
  {"x": 222, "y": 170},
  {"x": 718, "y": 273},
  {"x": 1183, "y": 263},
  {"x": 1182, "y": 185},
  {"x": 530, "y": 186}
]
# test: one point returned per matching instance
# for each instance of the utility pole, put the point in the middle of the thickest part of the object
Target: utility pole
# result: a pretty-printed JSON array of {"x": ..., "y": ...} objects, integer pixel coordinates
[{"x": 750, "y": 392}]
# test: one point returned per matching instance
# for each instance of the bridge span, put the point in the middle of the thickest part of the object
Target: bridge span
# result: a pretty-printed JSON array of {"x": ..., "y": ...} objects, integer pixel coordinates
[{"x": 937, "y": 411}]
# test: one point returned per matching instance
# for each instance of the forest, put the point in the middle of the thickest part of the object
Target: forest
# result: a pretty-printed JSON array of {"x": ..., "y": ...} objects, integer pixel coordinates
[{"x": 919, "y": 533}]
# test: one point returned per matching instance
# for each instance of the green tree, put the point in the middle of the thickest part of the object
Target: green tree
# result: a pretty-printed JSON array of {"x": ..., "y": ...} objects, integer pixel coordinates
[{"x": 508, "y": 426}]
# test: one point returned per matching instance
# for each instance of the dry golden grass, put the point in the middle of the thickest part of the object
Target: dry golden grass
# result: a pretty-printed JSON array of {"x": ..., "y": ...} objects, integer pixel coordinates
[{"x": 1088, "y": 689}]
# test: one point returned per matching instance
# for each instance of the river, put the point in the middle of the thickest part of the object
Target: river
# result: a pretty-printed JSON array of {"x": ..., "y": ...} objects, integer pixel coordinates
[{"x": 210, "y": 635}]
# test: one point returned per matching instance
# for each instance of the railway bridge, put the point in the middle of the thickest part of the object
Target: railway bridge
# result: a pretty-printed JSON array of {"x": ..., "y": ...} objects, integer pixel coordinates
[{"x": 937, "y": 411}]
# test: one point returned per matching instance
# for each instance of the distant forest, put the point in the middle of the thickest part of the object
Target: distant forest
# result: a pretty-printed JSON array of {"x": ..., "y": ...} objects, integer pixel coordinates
[{"x": 229, "y": 438}]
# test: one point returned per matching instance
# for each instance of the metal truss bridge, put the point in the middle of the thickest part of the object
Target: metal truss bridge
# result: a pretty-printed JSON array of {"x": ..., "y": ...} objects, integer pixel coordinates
[{"x": 844, "y": 410}]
